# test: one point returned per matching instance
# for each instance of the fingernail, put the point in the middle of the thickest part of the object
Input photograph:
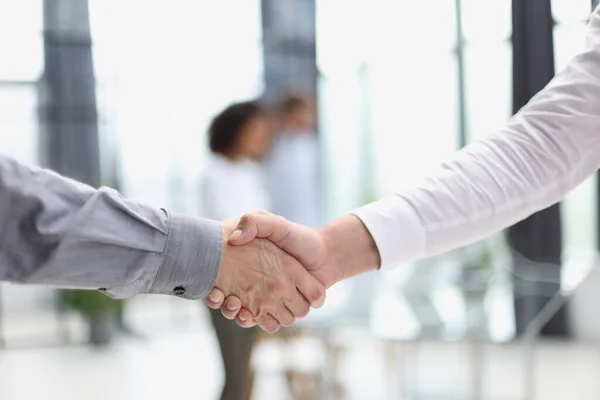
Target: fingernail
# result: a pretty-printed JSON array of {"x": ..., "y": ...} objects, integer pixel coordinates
[
  {"x": 213, "y": 297},
  {"x": 242, "y": 318},
  {"x": 236, "y": 234},
  {"x": 231, "y": 307}
]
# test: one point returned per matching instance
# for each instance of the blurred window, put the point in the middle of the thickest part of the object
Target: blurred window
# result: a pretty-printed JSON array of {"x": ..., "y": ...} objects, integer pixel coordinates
[
  {"x": 164, "y": 69},
  {"x": 21, "y": 44},
  {"x": 488, "y": 66},
  {"x": 21, "y": 52},
  {"x": 388, "y": 90},
  {"x": 407, "y": 69},
  {"x": 579, "y": 209}
]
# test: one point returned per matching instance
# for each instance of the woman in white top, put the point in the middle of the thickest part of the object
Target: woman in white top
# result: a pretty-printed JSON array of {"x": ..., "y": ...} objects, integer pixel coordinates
[{"x": 232, "y": 184}]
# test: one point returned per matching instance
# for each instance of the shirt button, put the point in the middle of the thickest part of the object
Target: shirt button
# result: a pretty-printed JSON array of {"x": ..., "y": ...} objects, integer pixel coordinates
[{"x": 179, "y": 290}]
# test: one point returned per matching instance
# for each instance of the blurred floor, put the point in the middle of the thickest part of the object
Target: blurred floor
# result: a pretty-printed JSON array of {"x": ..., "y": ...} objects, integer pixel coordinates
[{"x": 186, "y": 365}]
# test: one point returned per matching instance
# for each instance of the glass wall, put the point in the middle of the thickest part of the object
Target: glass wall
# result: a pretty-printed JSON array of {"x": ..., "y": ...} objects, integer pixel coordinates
[
  {"x": 388, "y": 93},
  {"x": 488, "y": 66},
  {"x": 21, "y": 66},
  {"x": 407, "y": 70},
  {"x": 579, "y": 211},
  {"x": 164, "y": 69}
]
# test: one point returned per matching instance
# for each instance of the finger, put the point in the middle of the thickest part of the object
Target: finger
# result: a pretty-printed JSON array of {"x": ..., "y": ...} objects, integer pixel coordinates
[
  {"x": 299, "y": 309},
  {"x": 268, "y": 323},
  {"x": 312, "y": 290},
  {"x": 215, "y": 299},
  {"x": 245, "y": 319},
  {"x": 231, "y": 307},
  {"x": 261, "y": 225},
  {"x": 246, "y": 324},
  {"x": 302, "y": 243},
  {"x": 284, "y": 316}
]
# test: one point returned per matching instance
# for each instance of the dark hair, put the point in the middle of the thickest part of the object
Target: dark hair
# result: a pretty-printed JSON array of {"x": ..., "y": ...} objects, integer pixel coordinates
[
  {"x": 293, "y": 102},
  {"x": 225, "y": 128}
]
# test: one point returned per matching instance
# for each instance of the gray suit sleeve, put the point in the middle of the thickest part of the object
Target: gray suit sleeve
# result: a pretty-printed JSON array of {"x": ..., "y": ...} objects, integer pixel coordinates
[{"x": 59, "y": 232}]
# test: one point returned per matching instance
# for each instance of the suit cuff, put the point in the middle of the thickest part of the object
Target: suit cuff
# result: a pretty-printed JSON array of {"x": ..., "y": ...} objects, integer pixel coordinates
[
  {"x": 396, "y": 229},
  {"x": 191, "y": 259}
]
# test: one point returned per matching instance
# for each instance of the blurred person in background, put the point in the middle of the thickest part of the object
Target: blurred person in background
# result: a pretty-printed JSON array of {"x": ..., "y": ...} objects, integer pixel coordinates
[
  {"x": 293, "y": 165},
  {"x": 233, "y": 183}
]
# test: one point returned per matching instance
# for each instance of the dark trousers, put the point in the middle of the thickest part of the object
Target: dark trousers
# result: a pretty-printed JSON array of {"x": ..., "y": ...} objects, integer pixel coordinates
[{"x": 236, "y": 349}]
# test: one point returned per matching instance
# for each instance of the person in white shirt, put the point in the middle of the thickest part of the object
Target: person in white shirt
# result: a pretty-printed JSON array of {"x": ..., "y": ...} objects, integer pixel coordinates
[
  {"x": 234, "y": 180},
  {"x": 232, "y": 183},
  {"x": 548, "y": 148},
  {"x": 293, "y": 165}
]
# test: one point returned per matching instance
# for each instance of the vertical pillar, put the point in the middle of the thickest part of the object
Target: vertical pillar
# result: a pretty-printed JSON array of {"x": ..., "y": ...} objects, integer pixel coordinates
[
  {"x": 460, "y": 66},
  {"x": 289, "y": 46},
  {"x": 69, "y": 120},
  {"x": 538, "y": 238},
  {"x": 594, "y": 5},
  {"x": 69, "y": 142}
]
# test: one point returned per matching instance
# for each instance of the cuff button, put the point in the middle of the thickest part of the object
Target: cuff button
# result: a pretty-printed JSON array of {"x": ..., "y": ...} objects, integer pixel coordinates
[{"x": 179, "y": 290}]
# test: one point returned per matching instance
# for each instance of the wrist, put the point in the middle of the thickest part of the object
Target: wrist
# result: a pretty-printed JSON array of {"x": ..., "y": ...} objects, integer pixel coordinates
[
  {"x": 227, "y": 227},
  {"x": 349, "y": 247}
]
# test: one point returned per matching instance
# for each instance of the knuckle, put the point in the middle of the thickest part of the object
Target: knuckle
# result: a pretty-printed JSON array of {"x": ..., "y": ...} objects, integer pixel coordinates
[
  {"x": 291, "y": 263},
  {"x": 270, "y": 308},
  {"x": 303, "y": 312},
  {"x": 318, "y": 293},
  {"x": 260, "y": 313},
  {"x": 245, "y": 220},
  {"x": 288, "y": 322},
  {"x": 231, "y": 304},
  {"x": 275, "y": 285},
  {"x": 280, "y": 218},
  {"x": 268, "y": 324}
]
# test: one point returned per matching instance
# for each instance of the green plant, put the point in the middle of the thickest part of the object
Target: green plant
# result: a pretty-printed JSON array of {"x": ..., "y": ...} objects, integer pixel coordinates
[{"x": 90, "y": 302}]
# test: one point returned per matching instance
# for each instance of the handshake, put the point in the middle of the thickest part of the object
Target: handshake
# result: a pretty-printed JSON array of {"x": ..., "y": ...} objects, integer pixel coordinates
[{"x": 273, "y": 270}]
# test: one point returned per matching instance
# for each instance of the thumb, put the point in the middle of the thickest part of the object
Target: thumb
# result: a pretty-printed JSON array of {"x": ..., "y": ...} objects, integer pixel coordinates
[
  {"x": 259, "y": 225},
  {"x": 245, "y": 231}
]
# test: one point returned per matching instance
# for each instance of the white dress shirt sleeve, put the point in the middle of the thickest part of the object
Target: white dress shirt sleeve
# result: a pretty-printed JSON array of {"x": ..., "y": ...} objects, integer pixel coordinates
[{"x": 547, "y": 149}]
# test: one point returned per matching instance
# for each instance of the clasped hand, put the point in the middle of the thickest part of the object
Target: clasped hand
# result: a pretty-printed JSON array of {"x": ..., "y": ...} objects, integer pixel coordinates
[
  {"x": 273, "y": 287},
  {"x": 273, "y": 270}
]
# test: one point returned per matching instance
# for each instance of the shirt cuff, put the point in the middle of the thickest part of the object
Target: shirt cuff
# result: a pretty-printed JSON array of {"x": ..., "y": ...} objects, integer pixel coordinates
[
  {"x": 191, "y": 259},
  {"x": 396, "y": 229}
]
